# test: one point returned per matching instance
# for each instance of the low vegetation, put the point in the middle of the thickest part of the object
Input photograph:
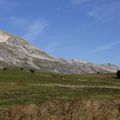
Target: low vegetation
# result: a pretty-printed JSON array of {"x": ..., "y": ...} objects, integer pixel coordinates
[
  {"x": 32, "y": 71},
  {"x": 22, "y": 87},
  {"x": 118, "y": 73},
  {"x": 63, "y": 110},
  {"x": 46, "y": 95}
]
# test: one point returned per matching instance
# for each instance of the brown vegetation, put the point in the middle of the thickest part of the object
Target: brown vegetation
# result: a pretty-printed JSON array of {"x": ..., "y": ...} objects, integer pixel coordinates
[{"x": 64, "y": 110}]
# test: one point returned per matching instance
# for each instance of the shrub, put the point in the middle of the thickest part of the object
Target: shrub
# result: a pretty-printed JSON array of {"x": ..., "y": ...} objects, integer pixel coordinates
[
  {"x": 118, "y": 73},
  {"x": 32, "y": 70},
  {"x": 4, "y": 69},
  {"x": 21, "y": 68}
]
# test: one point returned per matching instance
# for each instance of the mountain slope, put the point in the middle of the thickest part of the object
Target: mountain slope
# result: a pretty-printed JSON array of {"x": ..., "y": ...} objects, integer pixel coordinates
[
  {"x": 16, "y": 52},
  {"x": 87, "y": 67}
]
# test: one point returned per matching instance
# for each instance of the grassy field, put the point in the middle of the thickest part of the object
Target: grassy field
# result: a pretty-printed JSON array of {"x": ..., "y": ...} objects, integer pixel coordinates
[{"x": 23, "y": 87}]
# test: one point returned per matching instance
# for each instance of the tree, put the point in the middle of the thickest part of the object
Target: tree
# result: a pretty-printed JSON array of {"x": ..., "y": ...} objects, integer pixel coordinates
[
  {"x": 4, "y": 69},
  {"x": 32, "y": 70},
  {"x": 98, "y": 72},
  {"x": 21, "y": 68},
  {"x": 118, "y": 73}
]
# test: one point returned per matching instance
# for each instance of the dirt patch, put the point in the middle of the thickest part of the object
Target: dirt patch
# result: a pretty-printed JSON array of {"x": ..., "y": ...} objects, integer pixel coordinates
[{"x": 63, "y": 110}]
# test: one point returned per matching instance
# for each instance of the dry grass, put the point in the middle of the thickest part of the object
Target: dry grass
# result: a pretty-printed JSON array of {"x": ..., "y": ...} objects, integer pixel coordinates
[{"x": 64, "y": 110}]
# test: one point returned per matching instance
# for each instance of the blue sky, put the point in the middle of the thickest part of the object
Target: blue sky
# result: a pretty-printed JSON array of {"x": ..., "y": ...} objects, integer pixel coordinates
[{"x": 82, "y": 29}]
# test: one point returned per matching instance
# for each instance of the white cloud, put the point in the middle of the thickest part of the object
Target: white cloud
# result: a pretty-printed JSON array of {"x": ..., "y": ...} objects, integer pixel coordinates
[
  {"x": 107, "y": 46},
  {"x": 31, "y": 29},
  {"x": 101, "y": 10},
  {"x": 106, "y": 11},
  {"x": 34, "y": 29}
]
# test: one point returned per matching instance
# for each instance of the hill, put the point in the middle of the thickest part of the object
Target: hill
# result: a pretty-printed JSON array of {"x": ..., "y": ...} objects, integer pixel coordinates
[{"x": 16, "y": 52}]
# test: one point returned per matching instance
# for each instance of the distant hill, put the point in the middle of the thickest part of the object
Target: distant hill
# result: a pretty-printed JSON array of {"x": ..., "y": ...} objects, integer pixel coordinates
[{"x": 16, "y": 52}]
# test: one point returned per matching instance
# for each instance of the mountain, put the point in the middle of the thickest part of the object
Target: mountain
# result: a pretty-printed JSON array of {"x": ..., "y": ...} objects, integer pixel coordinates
[
  {"x": 16, "y": 52},
  {"x": 87, "y": 67}
]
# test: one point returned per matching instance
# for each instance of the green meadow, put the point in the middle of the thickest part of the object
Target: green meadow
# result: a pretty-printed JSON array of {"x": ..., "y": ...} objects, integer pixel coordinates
[{"x": 23, "y": 87}]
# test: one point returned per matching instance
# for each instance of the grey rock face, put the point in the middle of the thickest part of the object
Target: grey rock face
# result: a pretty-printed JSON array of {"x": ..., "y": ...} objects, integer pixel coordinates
[
  {"x": 87, "y": 67},
  {"x": 16, "y": 52}
]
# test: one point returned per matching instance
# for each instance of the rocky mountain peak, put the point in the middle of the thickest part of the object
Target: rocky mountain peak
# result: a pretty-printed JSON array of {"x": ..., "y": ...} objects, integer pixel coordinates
[{"x": 17, "y": 52}]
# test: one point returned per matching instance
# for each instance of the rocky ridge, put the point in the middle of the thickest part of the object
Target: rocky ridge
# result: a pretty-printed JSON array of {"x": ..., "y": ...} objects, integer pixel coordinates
[{"x": 17, "y": 52}]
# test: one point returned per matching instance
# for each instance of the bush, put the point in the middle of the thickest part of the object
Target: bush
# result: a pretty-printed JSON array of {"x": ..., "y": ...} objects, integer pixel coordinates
[
  {"x": 21, "y": 68},
  {"x": 4, "y": 69},
  {"x": 118, "y": 73},
  {"x": 32, "y": 70}
]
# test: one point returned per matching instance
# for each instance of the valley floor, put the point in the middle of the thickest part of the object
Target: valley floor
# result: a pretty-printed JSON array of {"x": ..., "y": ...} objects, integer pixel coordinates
[{"x": 55, "y": 94}]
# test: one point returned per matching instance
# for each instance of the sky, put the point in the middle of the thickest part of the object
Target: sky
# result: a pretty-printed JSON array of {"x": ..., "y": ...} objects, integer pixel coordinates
[{"x": 80, "y": 29}]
